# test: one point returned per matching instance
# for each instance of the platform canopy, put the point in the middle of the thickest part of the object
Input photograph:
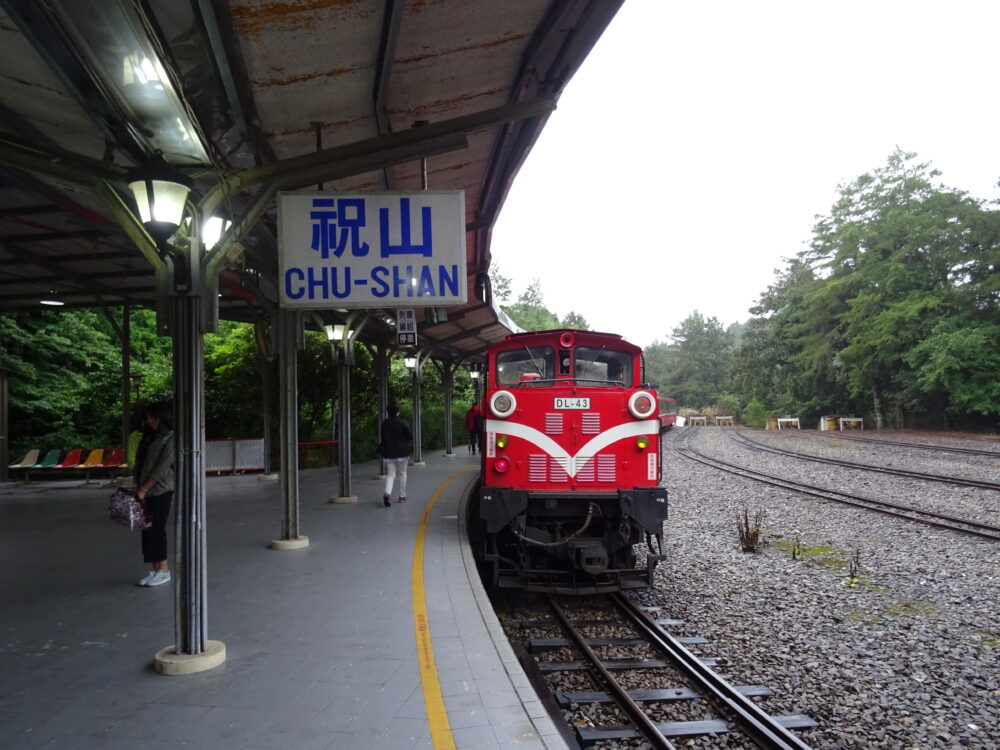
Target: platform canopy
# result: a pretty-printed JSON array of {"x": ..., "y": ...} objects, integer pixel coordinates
[{"x": 251, "y": 97}]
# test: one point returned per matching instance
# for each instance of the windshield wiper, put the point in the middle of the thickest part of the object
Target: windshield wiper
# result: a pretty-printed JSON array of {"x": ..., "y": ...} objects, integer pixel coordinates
[{"x": 531, "y": 358}]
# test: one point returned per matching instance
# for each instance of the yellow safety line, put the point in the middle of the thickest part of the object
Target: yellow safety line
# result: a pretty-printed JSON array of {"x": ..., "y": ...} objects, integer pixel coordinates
[{"x": 437, "y": 716}]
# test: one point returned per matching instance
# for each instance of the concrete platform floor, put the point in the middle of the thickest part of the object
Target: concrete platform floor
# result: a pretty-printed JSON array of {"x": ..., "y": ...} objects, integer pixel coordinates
[{"x": 321, "y": 644}]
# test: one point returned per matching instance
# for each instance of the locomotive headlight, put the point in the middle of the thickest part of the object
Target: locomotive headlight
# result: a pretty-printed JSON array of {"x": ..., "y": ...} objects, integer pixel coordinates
[
  {"x": 642, "y": 442},
  {"x": 502, "y": 403},
  {"x": 502, "y": 441},
  {"x": 642, "y": 404},
  {"x": 501, "y": 464}
]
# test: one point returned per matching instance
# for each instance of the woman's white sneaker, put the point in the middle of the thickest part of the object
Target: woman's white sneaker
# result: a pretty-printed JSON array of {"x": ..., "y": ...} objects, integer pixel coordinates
[
  {"x": 145, "y": 581},
  {"x": 158, "y": 577}
]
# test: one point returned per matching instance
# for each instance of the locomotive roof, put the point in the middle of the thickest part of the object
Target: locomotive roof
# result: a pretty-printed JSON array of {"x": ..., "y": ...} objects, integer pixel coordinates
[{"x": 518, "y": 339}]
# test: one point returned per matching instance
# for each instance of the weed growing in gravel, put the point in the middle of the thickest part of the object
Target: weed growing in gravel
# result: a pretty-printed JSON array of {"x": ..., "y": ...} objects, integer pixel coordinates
[
  {"x": 749, "y": 529},
  {"x": 990, "y": 640},
  {"x": 902, "y": 608},
  {"x": 911, "y": 608},
  {"x": 854, "y": 569}
]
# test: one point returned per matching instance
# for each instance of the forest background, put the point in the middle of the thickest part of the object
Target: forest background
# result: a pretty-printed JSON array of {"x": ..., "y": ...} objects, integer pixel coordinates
[{"x": 891, "y": 314}]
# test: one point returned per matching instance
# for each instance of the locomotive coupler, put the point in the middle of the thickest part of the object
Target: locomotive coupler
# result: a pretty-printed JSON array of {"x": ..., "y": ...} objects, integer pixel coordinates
[{"x": 590, "y": 557}]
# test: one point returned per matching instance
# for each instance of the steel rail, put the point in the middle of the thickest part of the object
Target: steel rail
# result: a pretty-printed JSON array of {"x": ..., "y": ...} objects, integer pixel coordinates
[
  {"x": 751, "y": 719},
  {"x": 924, "y": 446},
  {"x": 643, "y": 723},
  {"x": 867, "y": 467},
  {"x": 895, "y": 510}
]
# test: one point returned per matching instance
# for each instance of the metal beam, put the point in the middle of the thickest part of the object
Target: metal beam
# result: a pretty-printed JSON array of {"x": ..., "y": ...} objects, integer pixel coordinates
[
  {"x": 373, "y": 153},
  {"x": 59, "y": 164}
]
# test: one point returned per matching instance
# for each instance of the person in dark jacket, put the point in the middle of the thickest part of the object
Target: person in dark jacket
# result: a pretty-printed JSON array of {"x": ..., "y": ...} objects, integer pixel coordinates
[
  {"x": 474, "y": 424},
  {"x": 397, "y": 440},
  {"x": 154, "y": 484}
]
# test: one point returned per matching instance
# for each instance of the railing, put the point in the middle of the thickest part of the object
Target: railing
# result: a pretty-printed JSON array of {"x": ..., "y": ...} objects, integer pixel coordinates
[
  {"x": 318, "y": 453},
  {"x": 234, "y": 456}
]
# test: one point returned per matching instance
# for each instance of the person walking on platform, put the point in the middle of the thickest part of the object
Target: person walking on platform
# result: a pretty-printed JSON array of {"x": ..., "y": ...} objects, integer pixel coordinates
[
  {"x": 154, "y": 484},
  {"x": 474, "y": 424},
  {"x": 397, "y": 440}
]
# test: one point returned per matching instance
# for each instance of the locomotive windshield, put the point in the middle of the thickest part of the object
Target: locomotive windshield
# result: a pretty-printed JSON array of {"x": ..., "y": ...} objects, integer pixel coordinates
[
  {"x": 603, "y": 366},
  {"x": 525, "y": 364}
]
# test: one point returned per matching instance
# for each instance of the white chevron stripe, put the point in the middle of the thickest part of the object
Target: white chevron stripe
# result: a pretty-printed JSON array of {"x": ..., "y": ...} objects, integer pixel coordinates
[{"x": 596, "y": 444}]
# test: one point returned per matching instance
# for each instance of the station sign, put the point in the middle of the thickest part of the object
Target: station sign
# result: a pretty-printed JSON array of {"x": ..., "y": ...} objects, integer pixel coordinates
[
  {"x": 356, "y": 250},
  {"x": 406, "y": 327}
]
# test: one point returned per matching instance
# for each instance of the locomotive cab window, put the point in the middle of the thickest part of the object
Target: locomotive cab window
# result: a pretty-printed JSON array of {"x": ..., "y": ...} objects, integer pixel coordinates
[
  {"x": 603, "y": 366},
  {"x": 525, "y": 365}
]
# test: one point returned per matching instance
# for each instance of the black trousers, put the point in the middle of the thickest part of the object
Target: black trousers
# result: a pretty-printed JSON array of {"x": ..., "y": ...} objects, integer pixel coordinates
[{"x": 154, "y": 539}]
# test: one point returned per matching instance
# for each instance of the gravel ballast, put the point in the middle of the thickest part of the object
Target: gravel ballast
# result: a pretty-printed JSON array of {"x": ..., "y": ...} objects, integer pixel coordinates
[{"x": 907, "y": 657}]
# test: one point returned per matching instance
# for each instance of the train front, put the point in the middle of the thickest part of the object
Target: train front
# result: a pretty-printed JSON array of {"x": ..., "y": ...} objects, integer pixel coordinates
[{"x": 571, "y": 465}]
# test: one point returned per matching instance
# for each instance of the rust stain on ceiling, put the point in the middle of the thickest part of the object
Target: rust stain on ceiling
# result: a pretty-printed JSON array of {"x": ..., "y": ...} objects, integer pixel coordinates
[
  {"x": 309, "y": 129},
  {"x": 509, "y": 39},
  {"x": 445, "y": 105},
  {"x": 253, "y": 19},
  {"x": 305, "y": 77}
]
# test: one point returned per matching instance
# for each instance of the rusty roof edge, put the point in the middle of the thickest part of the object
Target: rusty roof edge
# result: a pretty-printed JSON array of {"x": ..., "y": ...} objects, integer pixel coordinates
[
  {"x": 515, "y": 140},
  {"x": 316, "y": 162}
]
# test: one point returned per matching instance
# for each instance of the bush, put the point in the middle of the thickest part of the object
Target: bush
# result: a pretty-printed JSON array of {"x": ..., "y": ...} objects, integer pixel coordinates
[{"x": 755, "y": 414}]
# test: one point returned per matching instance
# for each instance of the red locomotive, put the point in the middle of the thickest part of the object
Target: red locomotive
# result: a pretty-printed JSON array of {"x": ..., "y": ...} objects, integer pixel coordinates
[{"x": 570, "y": 466}]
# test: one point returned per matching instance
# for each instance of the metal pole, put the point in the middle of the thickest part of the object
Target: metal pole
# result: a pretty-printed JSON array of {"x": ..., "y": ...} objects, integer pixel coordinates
[
  {"x": 126, "y": 375},
  {"x": 265, "y": 384},
  {"x": 418, "y": 452},
  {"x": 190, "y": 589},
  {"x": 344, "y": 454},
  {"x": 448, "y": 381},
  {"x": 4, "y": 425},
  {"x": 288, "y": 385},
  {"x": 382, "y": 368}
]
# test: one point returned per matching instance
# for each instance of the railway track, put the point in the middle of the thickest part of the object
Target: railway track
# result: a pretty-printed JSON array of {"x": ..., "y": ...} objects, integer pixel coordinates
[
  {"x": 900, "y": 443},
  {"x": 744, "y": 440},
  {"x": 674, "y": 663},
  {"x": 905, "y": 512}
]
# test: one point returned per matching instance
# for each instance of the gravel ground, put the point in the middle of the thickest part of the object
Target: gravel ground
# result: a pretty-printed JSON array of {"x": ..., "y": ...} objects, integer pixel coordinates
[{"x": 908, "y": 657}]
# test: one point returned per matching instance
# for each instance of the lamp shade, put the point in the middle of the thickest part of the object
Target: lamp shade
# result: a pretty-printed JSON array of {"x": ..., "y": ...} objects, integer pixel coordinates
[
  {"x": 212, "y": 230},
  {"x": 160, "y": 195},
  {"x": 335, "y": 332}
]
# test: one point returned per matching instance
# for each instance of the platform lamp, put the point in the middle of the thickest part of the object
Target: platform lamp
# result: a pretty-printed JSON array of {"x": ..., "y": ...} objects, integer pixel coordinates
[
  {"x": 160, "y": 195},
  {"x": 475, "y": 372},
  {"x": 137, "y": 384},
  {"x": 212, "y": 231}
]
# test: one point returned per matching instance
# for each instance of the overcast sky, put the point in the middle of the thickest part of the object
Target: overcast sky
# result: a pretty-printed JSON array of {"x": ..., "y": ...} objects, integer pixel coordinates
[{"x": 692, "y": 151}]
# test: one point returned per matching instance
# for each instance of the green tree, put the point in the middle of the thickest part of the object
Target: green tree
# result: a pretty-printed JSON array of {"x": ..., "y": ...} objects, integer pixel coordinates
[
  {"x": 699, "y": 359},
  {"x": 902, "y": 255},
  {"x": 501, "y": 285},
  {"x": 659, "y": 357},
  {"x": 575, "y": 320},
  {"x": 530, "y": 311}
]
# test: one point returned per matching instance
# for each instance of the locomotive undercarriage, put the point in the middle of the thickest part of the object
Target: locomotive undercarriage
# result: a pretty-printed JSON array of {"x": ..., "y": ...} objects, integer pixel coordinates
[{"x": 571, "y": 543}]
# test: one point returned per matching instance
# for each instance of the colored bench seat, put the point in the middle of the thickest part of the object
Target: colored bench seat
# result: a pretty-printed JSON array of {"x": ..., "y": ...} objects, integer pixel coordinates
[
  {"x": 28, "y": 460},
  {"x": 50, "y": 460},
  {"x": 71, "y": 460}
]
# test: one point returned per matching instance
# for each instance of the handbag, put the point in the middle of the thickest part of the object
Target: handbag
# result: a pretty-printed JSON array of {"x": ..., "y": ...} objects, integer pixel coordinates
[{"x": 126, "y": 508}]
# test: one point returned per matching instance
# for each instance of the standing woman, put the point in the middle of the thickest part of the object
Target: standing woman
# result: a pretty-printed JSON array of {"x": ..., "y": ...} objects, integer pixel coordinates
[
  {"x": 154, "y": 484},
  {"x": 397, "y": 440}
]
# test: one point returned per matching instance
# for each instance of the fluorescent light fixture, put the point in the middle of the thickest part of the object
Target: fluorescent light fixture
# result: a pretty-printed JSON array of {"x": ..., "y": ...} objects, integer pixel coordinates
[{"x": 111, "y": 38}]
